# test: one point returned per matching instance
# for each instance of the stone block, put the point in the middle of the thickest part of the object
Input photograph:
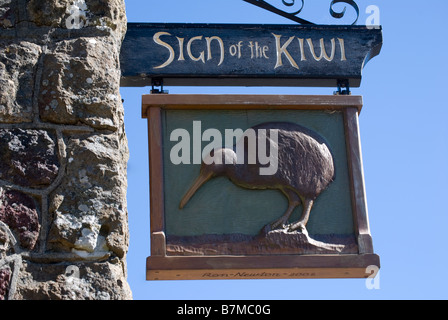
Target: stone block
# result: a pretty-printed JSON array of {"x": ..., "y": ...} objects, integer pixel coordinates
[
  {"x": 81, "y": 85},
  {"x": 88, "y": 281},
  {"x": 89, "y": 207},
  {"x": 5, "y": 279},
  {"x": 47, "y": 12},
  {"x": 105, "y": 15},
  {"x": 18, "y": 65},
  {"x": 28, "y": 158},
  {"x": 7, "y": 14},
  {"x": 18, "y": 211}
]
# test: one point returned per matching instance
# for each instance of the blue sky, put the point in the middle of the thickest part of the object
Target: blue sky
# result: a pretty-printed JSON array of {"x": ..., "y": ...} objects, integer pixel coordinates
[{"x": 405, "y": 152}]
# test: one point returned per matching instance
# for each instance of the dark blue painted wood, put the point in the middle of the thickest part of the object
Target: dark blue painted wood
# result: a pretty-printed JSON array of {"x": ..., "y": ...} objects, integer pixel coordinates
[{"x": 246, "y": 55}]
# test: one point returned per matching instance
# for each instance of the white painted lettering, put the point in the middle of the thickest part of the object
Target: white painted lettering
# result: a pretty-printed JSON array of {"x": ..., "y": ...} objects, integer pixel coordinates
[
  {"x": 201, "y": 54},
  {"x": 282, "y": 49},
  {"x": 157, "y": 40},
  {"x": 181, "y": 49},
  {"x": 342, "y": 45},
  {"x": 323, "y": 52},
  {"x": 209, "y": 50}
]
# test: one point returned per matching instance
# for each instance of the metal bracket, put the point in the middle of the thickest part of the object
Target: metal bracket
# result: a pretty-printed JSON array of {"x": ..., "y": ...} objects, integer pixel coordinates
[
  {"x": 343, "y": 84},
  {"x": 157, "y": 82},
  {"x": 290, "y": 9}
]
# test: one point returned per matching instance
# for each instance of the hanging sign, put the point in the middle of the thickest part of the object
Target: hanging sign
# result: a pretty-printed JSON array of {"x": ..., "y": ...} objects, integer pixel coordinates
[
  {"x": 247, "y": 55},
  {"x": 256, "y": 187}
]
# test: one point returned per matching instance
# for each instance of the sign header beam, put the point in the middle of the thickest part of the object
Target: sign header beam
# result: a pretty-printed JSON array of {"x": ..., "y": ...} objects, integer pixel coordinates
[{"x": 247, "y": 55}]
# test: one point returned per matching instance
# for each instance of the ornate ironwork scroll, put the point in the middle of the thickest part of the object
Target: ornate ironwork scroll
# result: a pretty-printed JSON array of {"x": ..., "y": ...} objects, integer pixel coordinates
[{"x": 290, "y": 9}]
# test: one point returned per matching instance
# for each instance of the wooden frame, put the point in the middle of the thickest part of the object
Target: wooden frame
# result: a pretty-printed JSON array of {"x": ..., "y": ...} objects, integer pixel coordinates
[{"x": 163, "y": 267}]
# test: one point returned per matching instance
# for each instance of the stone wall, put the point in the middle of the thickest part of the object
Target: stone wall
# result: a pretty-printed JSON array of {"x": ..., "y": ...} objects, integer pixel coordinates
[{"x": 63, "y": 150}]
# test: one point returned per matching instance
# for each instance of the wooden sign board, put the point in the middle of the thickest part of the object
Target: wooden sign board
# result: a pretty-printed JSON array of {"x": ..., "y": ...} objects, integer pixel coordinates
[
  {"x": 246, "y": 55},
  {"x": 237, "y": 219}
]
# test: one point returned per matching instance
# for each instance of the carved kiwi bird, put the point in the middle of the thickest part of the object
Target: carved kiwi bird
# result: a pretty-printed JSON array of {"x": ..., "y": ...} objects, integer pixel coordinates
[{"x": 305, "y": 169}]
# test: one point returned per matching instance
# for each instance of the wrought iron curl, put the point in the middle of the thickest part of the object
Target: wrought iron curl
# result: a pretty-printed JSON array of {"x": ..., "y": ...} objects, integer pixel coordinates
[
  {"x": 339, "y": 15},
  {"x": 291, "y": 3},
  {"x": 278, "y": 9}
]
